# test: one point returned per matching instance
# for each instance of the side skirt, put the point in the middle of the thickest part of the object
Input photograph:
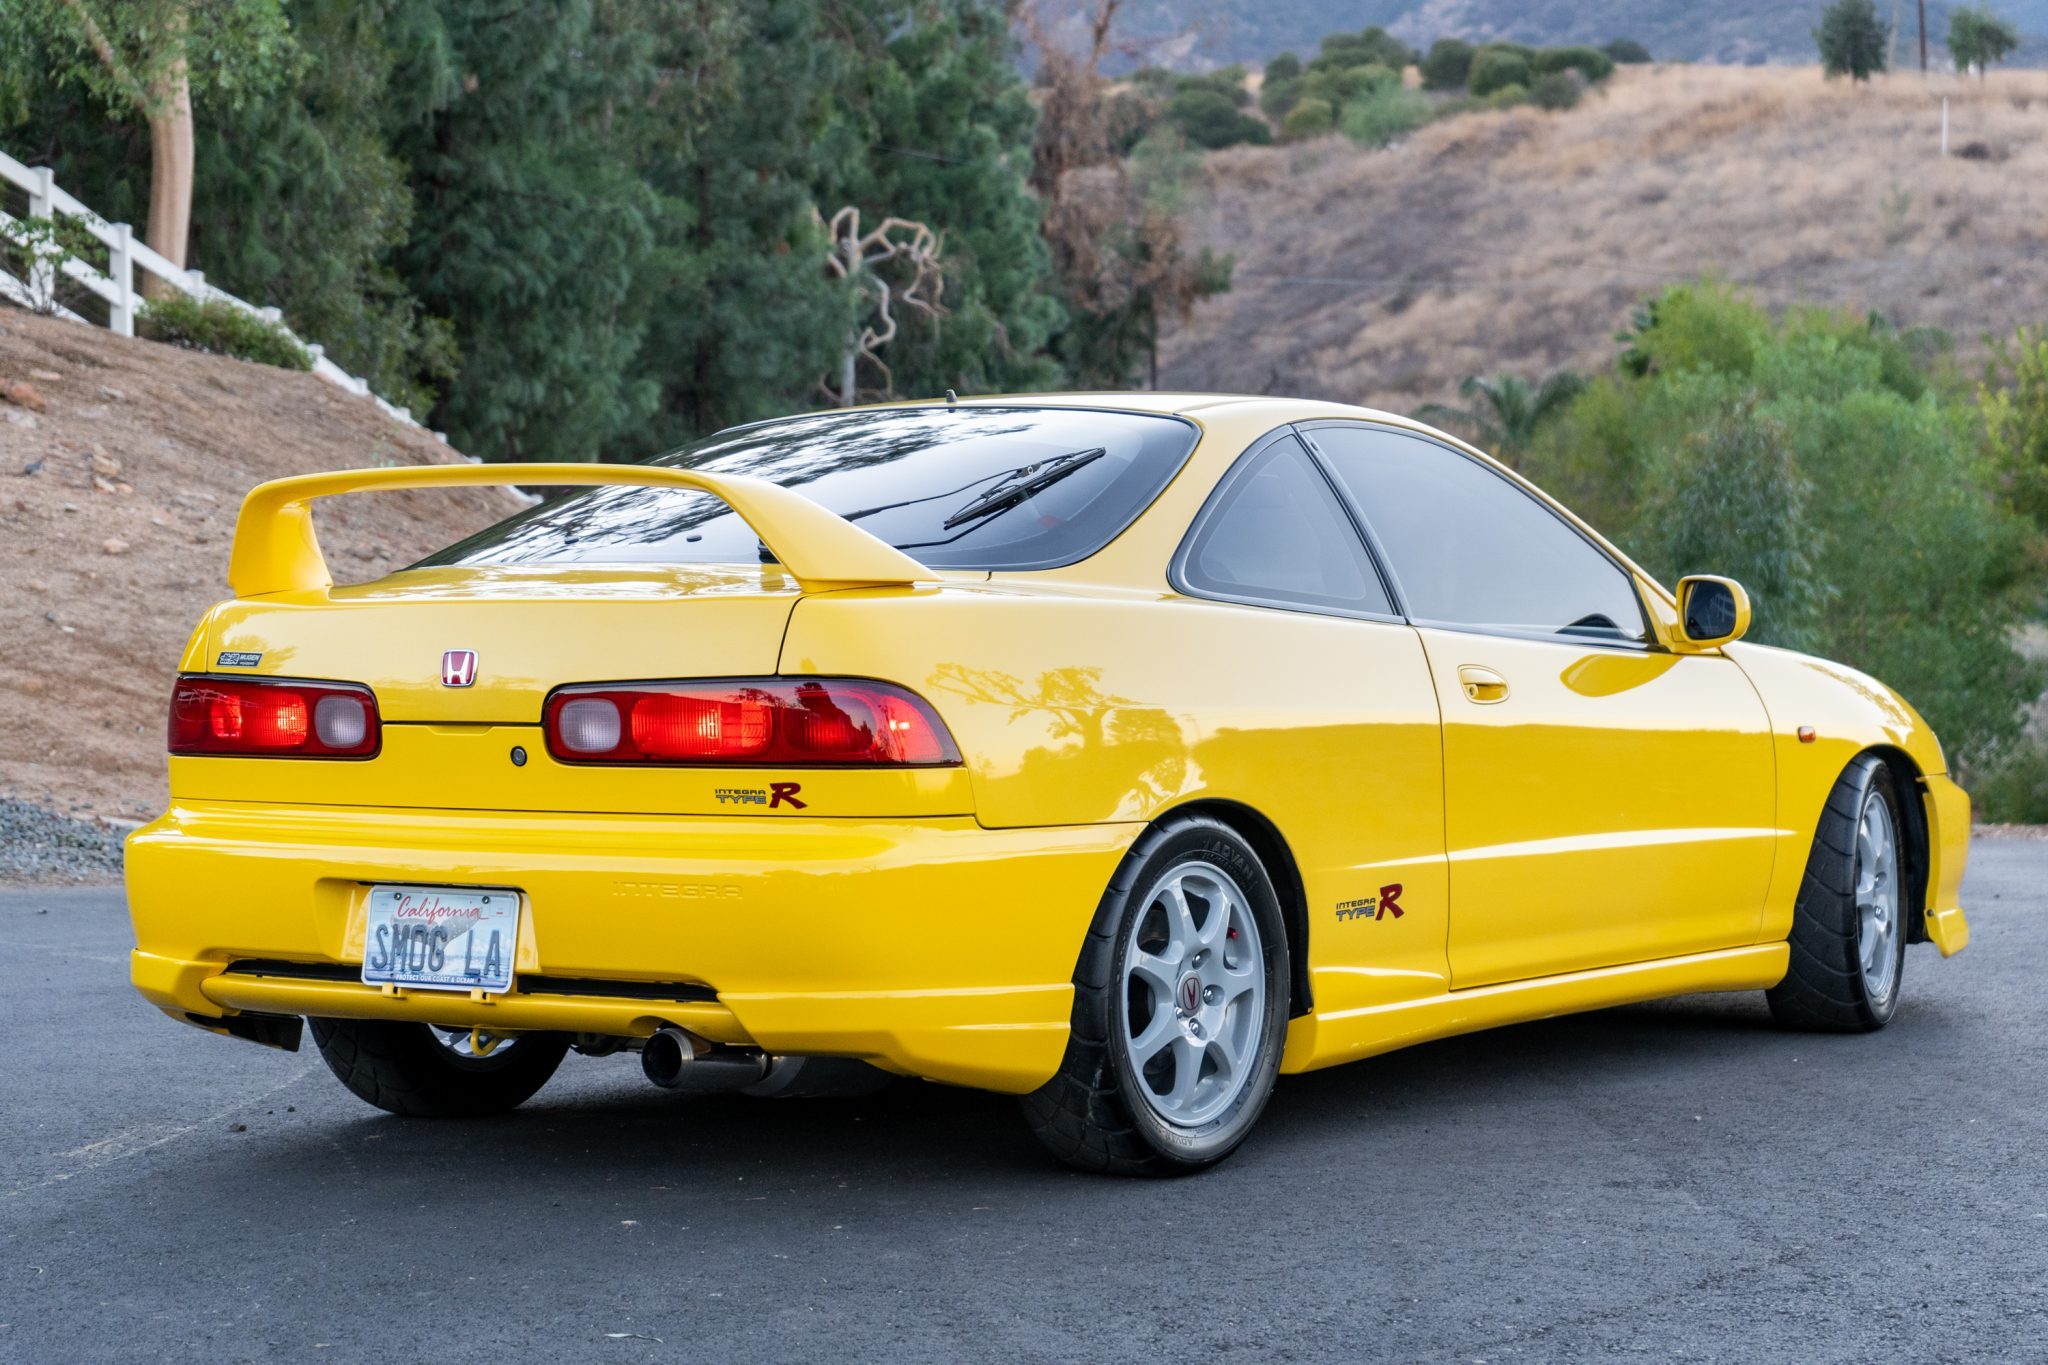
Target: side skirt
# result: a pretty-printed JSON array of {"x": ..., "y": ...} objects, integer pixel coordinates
[{"x": 1321, "y": 1040}]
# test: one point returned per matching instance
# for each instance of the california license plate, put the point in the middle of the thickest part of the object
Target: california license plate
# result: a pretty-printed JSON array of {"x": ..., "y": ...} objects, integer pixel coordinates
[{"x": 441, "y": 938}]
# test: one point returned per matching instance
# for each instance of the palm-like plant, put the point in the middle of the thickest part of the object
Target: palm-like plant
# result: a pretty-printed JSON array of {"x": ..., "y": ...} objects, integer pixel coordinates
[{"x": 1505, "y": 410}]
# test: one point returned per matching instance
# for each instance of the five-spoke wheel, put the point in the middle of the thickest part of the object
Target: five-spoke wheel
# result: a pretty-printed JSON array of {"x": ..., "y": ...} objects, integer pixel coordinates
[
  {"x": 1194, "y": 994},
  {"x": 1180, "y": 1008}
]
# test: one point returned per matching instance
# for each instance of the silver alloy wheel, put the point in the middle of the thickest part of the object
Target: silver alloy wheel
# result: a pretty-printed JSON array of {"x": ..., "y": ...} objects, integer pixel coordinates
[
  {"x": 1194, "y": 989},
  {"x": 462, "y": 1042},
  {"x": 1877, "y": 898}
]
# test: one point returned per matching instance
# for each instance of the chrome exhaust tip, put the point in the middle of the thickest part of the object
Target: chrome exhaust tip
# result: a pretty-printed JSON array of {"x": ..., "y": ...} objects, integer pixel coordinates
[{"x": 676, "y": 1059}]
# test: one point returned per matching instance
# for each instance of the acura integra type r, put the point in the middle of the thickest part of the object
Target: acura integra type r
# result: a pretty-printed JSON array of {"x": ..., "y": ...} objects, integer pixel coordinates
[{"x": 1118, "y": 752}]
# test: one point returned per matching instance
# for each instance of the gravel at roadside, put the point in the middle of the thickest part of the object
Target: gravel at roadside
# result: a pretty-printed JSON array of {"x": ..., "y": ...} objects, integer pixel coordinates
[{"x": 39, "y": 845}]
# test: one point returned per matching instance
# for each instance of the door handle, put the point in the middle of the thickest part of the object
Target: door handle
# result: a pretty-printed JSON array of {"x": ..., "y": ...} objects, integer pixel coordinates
[{"x": 1482, "y": 686}]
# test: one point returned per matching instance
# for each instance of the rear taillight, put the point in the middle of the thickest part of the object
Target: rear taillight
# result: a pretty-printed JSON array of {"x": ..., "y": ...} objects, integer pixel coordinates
[
  {"x": 756, "y": 722},
  {"x": 257, "y": 718}
]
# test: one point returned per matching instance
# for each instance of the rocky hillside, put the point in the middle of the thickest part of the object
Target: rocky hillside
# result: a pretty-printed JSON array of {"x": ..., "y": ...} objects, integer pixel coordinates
[
  {"x": 122, "y": 464},
  {"x": 1521, "y": 240}
]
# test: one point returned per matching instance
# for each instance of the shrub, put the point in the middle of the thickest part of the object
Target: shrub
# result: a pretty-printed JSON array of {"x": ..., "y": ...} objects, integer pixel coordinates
[
  {"x": 1448, "y": 65},
  {"x": 1341, "y": 85},
  {"x": 1507, "y": 97},
  {"x": 1497, "y": 66},
  {"x": 1284, "y": 67},
  {"x": 2013, "y": 788},
  {"x": 1226, "y": 81},
  {"x": 1557, "y": 90},
  {"x": 1628, "y": 52},
  {"x": 1277, "y": 97},
  {"x": 224, "y": 329},
  {"x": 1207, "y": 118},
  {"x": 1384, "y": 115},
  {"x": 1310, "y": 118},
  {"x": 1589, "y": 62},
  {"x": 1358, "y": 49}
]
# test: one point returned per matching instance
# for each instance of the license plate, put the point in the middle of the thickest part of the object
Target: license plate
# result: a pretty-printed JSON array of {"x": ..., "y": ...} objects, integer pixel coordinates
[{"x": 441, "y": 938}]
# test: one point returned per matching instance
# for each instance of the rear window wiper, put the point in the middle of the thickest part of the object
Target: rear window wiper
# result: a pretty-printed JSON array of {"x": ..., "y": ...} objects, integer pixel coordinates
[{"x": 1021, "y": 484}]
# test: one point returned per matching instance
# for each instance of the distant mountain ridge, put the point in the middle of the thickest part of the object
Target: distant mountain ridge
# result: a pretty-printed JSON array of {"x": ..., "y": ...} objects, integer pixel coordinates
[{"x": 1194, "y": 34}]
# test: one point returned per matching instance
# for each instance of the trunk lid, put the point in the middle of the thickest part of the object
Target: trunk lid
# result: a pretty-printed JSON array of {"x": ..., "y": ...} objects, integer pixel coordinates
[{"x": 531, "y": 630}]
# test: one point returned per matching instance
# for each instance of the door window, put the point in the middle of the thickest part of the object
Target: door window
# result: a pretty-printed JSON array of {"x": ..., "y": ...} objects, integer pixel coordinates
[
  {"x": 1277, "y": 534},
  {"x": 1470, "y": 548}
]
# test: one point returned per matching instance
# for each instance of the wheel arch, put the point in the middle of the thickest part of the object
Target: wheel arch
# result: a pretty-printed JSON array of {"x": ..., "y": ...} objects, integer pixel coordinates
[
  {"x": 1912, "y": 788},
  {"x": 1278, "y": 859}
]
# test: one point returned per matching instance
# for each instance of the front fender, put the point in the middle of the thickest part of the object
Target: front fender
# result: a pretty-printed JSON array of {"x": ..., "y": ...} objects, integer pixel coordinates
[{"x": 1824, "y": 714}]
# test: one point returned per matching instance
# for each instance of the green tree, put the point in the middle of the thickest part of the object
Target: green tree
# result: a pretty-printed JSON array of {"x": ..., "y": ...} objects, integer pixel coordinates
[
  {"x": 1978, "y": 37},
  {"x": 1852, "y": 40},
  {"x": 1627, "y": 52},
  {"x": 149, "y": 59},
  {"x": 533, "y": 232},
  {"x": 1734, "y": 502},
  {"x": 300, "y": 203},
  {"x": 1807, "y": 426},
  {"x": 1505, "y": 412},
  {"x": 944, "y": 126},
  {"x": 743, "y": 321},
  {"x": 2013, "y": 398}
]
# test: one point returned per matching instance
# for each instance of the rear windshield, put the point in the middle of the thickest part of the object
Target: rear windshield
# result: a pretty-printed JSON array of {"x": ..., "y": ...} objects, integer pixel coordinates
[{"x": 957, "y": 488}]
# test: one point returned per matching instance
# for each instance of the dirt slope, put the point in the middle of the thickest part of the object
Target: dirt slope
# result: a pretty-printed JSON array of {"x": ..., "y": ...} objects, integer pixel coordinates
[
  {"x": 102, "y": 576},
  {"x": 1521, "y": 240}
]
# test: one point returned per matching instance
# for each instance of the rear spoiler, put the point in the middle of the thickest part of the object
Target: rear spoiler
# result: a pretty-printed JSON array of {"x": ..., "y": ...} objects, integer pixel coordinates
[{"x": 276, "y": 549}]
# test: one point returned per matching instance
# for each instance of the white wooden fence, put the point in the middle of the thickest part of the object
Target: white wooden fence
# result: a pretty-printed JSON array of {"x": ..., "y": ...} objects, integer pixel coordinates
[{"x": 117, "y": 286}]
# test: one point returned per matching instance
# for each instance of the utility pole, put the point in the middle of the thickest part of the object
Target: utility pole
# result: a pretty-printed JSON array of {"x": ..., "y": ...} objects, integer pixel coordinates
[{"x": 1923, "y": 37}]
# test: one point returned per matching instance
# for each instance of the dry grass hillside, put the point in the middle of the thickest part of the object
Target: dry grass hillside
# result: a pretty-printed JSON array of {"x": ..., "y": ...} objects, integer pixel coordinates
[
  {"x": 1520, "y": 240},
  {"x": 122, "y": 464}
]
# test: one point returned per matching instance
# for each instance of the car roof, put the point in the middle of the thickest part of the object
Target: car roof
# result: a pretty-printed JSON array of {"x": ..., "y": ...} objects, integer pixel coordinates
[{"x": 1172, "y": 404}]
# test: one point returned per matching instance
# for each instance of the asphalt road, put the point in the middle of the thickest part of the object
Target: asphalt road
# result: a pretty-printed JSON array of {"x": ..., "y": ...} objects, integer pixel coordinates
[{"x": 1670, "y": 1182}]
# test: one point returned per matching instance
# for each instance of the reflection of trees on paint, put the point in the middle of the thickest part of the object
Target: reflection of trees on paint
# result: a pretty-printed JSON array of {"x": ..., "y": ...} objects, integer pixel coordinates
[{"x": 1115, "y": 756}]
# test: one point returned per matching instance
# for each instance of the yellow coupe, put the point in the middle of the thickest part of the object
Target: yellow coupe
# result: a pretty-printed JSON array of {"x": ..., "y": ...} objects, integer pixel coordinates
[{"x": 1120, "y": 752}]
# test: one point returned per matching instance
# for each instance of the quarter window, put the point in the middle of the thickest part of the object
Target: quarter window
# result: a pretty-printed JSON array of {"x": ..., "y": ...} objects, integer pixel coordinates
[
  {"x": 1278, "y": 534},
  {"x": 1470, "y": 548}
]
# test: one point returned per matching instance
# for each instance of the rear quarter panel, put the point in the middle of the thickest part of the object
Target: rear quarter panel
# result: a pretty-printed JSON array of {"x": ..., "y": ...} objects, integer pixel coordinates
[{"x": 1077, "y": 706}]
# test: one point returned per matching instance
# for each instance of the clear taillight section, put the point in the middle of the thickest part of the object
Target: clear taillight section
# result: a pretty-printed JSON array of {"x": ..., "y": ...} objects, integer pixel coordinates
[
  {"x": 750, "y": 722},
  {"x": 268, "y": 718}
]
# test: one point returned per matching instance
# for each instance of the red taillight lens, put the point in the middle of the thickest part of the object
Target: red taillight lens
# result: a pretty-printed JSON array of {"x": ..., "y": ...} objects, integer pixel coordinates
[
  {"x": 765, "y": 722},
  {"x": 261, "y": 718}
]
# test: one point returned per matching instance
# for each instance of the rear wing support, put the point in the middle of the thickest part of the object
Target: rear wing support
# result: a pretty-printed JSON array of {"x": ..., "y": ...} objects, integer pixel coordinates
[{"x": 276, "y": 549}]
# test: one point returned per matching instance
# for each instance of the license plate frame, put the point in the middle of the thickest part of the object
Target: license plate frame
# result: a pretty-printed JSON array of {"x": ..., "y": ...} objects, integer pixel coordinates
[{"x": 441, "y": 938}]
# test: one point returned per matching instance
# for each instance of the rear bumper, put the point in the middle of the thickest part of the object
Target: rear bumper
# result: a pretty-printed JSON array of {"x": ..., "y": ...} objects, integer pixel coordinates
[{"x": 936, "y": 947}]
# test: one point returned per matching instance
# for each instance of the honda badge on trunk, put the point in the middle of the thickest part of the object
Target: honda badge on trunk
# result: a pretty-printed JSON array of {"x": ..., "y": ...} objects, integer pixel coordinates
[{"x": 458, "y": 668}]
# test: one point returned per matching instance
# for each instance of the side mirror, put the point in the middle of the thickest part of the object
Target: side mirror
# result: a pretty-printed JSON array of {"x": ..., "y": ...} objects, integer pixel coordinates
[{"x": 1711, "y": 611}]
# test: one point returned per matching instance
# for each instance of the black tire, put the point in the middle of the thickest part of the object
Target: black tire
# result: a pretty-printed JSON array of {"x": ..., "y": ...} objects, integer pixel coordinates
[
  {"x": 405, "y": 1069},
  {"x": 1825, "y": 988},
  {"x": 1092, "y": 1114}
]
